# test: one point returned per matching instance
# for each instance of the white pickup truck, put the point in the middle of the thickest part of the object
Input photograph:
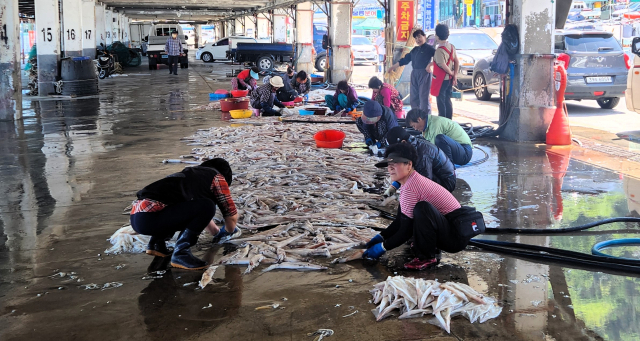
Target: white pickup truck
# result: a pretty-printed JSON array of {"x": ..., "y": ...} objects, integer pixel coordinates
[{"x": 156, "y": 40}]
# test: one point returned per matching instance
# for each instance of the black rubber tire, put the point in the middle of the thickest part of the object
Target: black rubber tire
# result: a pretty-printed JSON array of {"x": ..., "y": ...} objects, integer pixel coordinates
[
  {"x": 102, "y": 74},
  {"x": 481, "y": 94},
  {"x": 207, "y": 57},
  {"x": 321, "y": 62},
  {"x": 608, "y": 102},
  {"x": 265, "y": 63}
]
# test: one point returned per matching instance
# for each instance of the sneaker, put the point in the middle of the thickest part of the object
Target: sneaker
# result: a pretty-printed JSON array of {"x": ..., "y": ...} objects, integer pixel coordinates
[{"x": 418, "y": 264}]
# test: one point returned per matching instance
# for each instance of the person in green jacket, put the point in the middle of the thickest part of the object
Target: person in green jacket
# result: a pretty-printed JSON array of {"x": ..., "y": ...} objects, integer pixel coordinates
[{"x": 444, "y": 133}]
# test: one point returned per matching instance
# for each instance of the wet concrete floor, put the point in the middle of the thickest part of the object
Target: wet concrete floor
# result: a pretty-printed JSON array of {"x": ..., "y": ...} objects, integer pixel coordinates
[{"x": 68, "y": 170}]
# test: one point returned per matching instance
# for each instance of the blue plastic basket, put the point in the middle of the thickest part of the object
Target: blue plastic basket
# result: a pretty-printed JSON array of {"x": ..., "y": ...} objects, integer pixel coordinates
[
  {"x": 217, "y": 97},
  {"x": 306, "y": 112}
]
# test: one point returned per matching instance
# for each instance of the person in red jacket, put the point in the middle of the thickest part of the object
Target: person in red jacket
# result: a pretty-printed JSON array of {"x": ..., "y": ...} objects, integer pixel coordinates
[{"x": 246, "y": 80}]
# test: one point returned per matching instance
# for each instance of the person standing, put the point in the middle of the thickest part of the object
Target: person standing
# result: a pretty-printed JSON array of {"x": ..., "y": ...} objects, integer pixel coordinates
[
  {"x": 374, "y": 124},
  {"x": 420, "y": 59},
  {"x": 446, "y": 60},
  {"x": 264, "y": 97},
  {"x": 386, "y": 95},
  {"x": 448, "y": 135},
  {"x": 185, "y": 201},
  {"x": 173, "y": 48}
]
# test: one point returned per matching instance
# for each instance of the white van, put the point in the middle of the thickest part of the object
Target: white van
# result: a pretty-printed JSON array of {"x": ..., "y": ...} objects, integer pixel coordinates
[
  {"x": 211, "y": 52},
  {"x": 579, "y": 6}
]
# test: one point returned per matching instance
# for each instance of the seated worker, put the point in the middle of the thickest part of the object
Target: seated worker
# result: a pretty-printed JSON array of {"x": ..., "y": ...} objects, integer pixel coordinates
[
  {"x": 301, "y": 83},
  {"x": 344, "y": 100},
  {"x": 375, "y": 122},
  {"x": 264, "y": 98},
  {"x": 386, "y": 95},
  {"x": 431, "y": 162},
  {"x": 444, "y": 133},
  {"x": 287, "y": 93},
  {"x": 246, "y": 80},
  {"x": 185, "y": 201},
  {"x": 422, "y": 214}
]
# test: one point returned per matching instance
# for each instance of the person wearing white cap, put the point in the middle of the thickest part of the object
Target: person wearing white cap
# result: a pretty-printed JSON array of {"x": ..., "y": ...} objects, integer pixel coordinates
[
  {"x": 375, "y": 123},
  {"x": 246, "y": 80},
  {"x": 264, "y": 97}
]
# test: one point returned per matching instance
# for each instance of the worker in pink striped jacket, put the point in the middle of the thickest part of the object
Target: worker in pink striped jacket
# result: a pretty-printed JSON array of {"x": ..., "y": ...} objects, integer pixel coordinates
[{"x": 424, "y": 213}]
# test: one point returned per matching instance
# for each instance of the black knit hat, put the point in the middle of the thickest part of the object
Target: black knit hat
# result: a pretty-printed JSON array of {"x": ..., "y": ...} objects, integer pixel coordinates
[
  {"x": 222, "y": 166},
  {"x": 397, "y": 135}
]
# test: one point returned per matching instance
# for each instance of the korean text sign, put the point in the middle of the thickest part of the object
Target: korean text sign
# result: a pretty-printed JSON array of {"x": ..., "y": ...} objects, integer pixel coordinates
[{"x": 405, "y": 19}]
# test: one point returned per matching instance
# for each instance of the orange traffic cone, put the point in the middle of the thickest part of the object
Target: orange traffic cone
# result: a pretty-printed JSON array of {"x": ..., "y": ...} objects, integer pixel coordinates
[{"x": 559, "y": 132}]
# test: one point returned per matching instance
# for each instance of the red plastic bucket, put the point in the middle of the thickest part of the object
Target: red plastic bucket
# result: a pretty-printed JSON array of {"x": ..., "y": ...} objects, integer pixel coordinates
[
  {"x": 329, "y": 138},
  {"x": 221, "y": 92},
  {"x": 229, "y": 104}
]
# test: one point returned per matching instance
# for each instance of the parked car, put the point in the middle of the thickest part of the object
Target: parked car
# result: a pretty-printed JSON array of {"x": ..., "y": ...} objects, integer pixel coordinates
[
  {"x": 597, "y": 66},
  {"x": 263, "y": 55},
  {"x": 632, "y": 94},
  {"x": 363, "y": 50},
  {"x": 211, "y": 52},
  {"x": 575, "y": 16},
  {"x": 471, "y": 45},
  {"x": 633, "y": 7},
  {"x": 591, "y": 13}
]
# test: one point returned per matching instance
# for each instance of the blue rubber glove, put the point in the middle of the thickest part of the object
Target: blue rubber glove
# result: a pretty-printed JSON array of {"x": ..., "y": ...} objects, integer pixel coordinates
[
  {"x": 374, "y": 252},
  {"x": 375, "y": 240},
  {"x": 338, "y": 108},
  {"x": 368, "y": 141},
  {"x": 395, "y": 184},
  {"x": 379, "y": 145}
]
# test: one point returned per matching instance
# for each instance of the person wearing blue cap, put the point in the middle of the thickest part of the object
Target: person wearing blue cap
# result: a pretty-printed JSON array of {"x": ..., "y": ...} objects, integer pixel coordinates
[
  {"x": 246, "y": 80},
  {"x": 375, "y": 123}
]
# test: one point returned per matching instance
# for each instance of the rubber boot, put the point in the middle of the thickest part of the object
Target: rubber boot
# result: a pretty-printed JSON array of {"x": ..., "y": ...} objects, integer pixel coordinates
[
  {"x": 182, "y": 257},
  {"x": 158, "y": 247}
]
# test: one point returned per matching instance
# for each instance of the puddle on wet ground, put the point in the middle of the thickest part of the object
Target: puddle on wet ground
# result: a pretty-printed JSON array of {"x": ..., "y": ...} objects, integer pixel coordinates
[{"x": 71, "y": 166}]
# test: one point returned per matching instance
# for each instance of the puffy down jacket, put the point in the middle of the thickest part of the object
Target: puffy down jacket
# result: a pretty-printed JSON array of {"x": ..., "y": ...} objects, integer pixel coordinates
[{"x": 432, "y": 163}]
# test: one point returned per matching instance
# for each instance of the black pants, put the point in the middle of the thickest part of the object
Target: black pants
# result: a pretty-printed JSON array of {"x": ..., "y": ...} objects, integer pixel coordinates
[
  {"x": 431, "y": 231},
  {"x": 173, "y": 64},
  {"x": 445, "y": 107},
  {"x": 194, "y": 215},
  {"x": 459, "y": 154}
]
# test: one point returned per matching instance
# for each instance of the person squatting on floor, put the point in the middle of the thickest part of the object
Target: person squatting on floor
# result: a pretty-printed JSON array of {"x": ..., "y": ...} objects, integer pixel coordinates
[
  {"x": 264, "y": 98},
  {"x": 427, "y": 212},
  {"x": 173, "y": 48},
  {"x": 446, "y": 60},
  {"x": 246, "y": 80},
  {"x": 386, "y": 95},
  {"x": 444, "y": 133},
  {"x": 420, "y": 59},
  {"x": 375, "y": 123},
  {"x": 185, "y": 201},
  {"x": 344, "y": 100},
  {"x": 431, "y": 162},
  {"x": 301, "y": 83}
]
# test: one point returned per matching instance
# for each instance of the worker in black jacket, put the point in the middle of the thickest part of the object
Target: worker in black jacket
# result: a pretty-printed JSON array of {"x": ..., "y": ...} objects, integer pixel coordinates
[
  {"x": 432, "y": 163},
  {"x": 185, "y": 201}
]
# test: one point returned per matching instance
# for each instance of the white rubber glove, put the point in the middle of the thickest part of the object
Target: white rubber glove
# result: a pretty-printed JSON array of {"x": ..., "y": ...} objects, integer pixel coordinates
[
  {"x": 249, "y": 88},
  {"x": 277, "y": 109},
  {"x": 287, "y": 111},
  {"x": 392, "y": 189},
  {"x": 374, "y": 149}
]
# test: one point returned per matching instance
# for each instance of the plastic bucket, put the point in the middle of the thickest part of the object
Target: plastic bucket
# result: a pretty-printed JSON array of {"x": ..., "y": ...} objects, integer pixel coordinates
[
  {"x": 238, "y": 114},
  {"x": 239, "y": 93},
  {"x": 329, "y": 138},
  {"x": 305, "y": 112},
  {"x": 229, "y": 104},
  {"x": 221, "y": 92},
  {"x": 217, "y": 97}
]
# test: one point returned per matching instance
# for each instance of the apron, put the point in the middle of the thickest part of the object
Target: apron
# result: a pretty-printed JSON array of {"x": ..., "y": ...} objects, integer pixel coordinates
[{"x": 439, "y": 74}]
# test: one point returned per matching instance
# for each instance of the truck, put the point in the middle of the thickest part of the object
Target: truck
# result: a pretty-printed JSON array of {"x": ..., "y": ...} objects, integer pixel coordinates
[
  {"x": 156, "y": 40},
  {"x": 139, "y": 31},
  {"x": 263, "y": 55}
]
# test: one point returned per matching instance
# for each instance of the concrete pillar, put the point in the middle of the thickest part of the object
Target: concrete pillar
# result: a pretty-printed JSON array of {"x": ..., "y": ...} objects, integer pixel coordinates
[
  {"x": 279, "y": 28},
  {"x": 100, "y": 31},
  {"x": 108, "y": 26},
  {"x": 89, "y": 28},
  {"x": 197, "y": 30},
  {"x": 72, "y": 27},
  {"x": 48, "y": 40},
  {"x": 340, "y": 66},
  {"x": 304, "y": 37},
  {"x": 10, "y": 84},
  {"x": 533, "y": 88}
]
